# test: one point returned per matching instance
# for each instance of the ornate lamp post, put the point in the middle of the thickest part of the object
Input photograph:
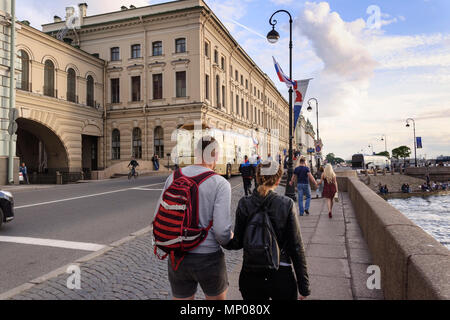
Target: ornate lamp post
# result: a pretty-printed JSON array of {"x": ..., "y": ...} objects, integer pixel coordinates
[
  {"x": 415, "y": 145},
  {"x": 317, "y": 115},
  {"x": 273, "y": 37}
]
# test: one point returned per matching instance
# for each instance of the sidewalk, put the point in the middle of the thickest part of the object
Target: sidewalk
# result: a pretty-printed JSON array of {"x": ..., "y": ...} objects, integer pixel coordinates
[{"x": 337, "y": 259}]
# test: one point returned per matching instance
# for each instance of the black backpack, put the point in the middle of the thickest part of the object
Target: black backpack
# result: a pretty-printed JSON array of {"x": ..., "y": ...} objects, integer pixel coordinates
[{"x": 261, "y": 250}]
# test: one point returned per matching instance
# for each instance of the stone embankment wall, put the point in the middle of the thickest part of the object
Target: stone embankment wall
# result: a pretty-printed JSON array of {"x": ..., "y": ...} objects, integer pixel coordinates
[
  {"x": 440, "y": 174},
  {"x": 413, "y": 264},
  {"x": 393, "y": 182}
]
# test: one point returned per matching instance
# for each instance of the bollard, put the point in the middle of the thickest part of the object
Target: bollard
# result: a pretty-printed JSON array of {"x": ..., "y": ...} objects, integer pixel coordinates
[{"x": 58, "y": 178}]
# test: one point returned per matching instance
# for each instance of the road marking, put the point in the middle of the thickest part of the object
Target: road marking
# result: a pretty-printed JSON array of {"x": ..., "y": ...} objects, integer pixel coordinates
[
  {"x": 146, "y": 189},
  {"x": 239, "y": 185},
  {"x": 85, "y": 246},
  {"x": 82, "y": 197}
]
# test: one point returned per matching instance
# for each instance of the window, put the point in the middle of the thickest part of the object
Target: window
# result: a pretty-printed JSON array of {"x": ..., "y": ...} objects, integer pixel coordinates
[
  {"x": 135, "y": 51},
  {"x": 231, "y": 71},
  {"x": 222, "y": 63},
  {"x": 49, "y": 79},
  {"x": 157, "y": 86},
  {"x": 137, "y": 143},
  {"x": 242, "y": 107},
  {"x": 223, "y": 96},
  {"x": 254, "y": 89},
  {"x": 246, "y": 107},
  {"x": 136, "y": 88},
  {"x": 207, "y": 49},
  {"x": 115, "y": 145},
  {"x": 181, "y": 84},
  {"x": 23, "y": 78},
  {"x": 242, "y": 80},
  {"x": 231, "y": 101},
  {"x": 217, "y": 91},
  {"x": 157, "y": 48},
  {"x": 115, "y": 90},
  {"x": 115, "y": 54},
  {"x": 90, "y": 92},
  {"x": 236, "y": 75},
  {"x": 71, "y": 85},
  {"x": 237, "y": 104},
  {"x": 216, "y": 57},
  {"x": 246, "y": 84},
  {"x": 159, "y": 142},
  {"x": 207, "y": 87},
  {"x": 180, "y": 45}
]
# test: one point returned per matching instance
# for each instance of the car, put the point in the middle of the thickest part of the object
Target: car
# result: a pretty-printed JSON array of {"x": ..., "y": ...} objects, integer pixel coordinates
[{"x": 6, "y": 207}]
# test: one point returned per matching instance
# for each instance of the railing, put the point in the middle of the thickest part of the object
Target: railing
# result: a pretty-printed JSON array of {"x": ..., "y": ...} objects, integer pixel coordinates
[
  {"x": 50, "y": 92},
  {"x": 72, "y": 97}
]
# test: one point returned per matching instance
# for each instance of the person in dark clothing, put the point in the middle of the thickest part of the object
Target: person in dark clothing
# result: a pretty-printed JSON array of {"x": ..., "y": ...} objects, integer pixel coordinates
[
  {"x": 255, "y": 165},
  {"x": 23, "y": 169},
  {"x": 282, "y": 211},
  {"x": 246, "y": 169},
  {"x": 133, "y": 164}
]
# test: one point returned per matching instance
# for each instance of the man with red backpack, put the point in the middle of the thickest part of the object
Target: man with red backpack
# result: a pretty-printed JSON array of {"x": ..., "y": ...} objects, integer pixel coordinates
[{"x": 192, "y": 221}]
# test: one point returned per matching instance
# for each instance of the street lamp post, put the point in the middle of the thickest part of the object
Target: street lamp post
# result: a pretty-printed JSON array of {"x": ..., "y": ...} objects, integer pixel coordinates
[
  {"x": 371, "y": 146},
  {"x": 415, "y": 145},
  {"x": 383, "y": 138},
  {"x": 317, "y": 114},
  {"x": 273, "y": 37}
]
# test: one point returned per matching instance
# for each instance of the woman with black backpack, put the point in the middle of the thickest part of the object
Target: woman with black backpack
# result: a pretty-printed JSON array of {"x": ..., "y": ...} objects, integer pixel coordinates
[{"x": 268, "y": 230}]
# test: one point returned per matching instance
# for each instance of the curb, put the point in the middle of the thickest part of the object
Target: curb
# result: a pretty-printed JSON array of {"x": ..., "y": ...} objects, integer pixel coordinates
[{"x": 53, "y": 274}]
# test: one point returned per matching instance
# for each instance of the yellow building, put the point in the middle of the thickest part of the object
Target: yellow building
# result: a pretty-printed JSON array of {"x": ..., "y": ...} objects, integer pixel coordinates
[{"x": 120, "y": 83}]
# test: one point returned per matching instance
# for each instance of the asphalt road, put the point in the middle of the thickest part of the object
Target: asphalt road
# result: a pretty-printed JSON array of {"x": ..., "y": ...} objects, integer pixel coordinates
[{"x": 57, "y": 225}]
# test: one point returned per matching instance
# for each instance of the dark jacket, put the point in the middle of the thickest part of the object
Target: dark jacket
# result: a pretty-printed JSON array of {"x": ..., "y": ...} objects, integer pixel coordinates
[
  {"x": 284, "y": 217},
  {"x": 247, "y": 170}
]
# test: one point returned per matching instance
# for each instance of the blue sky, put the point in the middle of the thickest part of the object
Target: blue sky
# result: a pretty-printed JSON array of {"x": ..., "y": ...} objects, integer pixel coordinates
[{"x": 367, "y": 81}]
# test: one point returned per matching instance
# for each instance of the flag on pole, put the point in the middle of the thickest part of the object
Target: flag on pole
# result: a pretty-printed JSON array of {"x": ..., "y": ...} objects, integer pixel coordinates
[
  {"x": 299, "y": 86},
  {"x": 419, "y": 142}
]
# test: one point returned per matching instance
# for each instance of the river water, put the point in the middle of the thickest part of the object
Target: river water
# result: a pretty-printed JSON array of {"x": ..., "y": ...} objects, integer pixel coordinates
[{"x": 432, "y": 214}]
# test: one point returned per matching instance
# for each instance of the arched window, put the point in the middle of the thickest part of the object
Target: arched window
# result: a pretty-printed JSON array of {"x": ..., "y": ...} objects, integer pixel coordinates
[
  {"x": 159, "y": 142},
  {"x": 71, "y": 85},
  {"x": 23, "y": 78},
  {"x": 137, "y": 143},
  {"x": 217, "y": 91},
  {"x": 115, "y": 145},
  {"x": 90, "y": 92},
  {"x": 49, "y": 79}
]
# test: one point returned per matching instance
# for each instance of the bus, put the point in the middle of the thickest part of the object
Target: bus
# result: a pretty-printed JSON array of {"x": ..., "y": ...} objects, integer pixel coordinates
[
  {"x": 360, "y": 161},
  {"x": 233, "y": 148}
]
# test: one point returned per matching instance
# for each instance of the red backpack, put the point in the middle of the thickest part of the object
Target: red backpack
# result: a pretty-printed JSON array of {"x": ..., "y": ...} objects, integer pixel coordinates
[{"x": 176, "y": 225}]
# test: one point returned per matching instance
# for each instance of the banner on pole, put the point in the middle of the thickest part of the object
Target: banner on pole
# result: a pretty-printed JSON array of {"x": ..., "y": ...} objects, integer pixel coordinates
[{"x": 419, "y": 142}]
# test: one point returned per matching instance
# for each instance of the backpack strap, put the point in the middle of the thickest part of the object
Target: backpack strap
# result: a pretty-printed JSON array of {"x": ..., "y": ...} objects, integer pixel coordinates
[
  {"x": 177, "y": 174},
  {"x": 203, "y": 177}
]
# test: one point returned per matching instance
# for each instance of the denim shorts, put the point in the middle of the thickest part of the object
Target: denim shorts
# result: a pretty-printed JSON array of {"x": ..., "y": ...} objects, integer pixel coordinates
[{"x": 209, "y": 270}]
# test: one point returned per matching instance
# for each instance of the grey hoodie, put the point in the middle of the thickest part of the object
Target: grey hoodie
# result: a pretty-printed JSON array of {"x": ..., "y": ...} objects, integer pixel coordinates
[{"x": 214, "y": 204}]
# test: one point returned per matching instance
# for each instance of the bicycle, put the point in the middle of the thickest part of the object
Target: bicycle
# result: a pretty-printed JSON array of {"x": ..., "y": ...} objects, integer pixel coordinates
[{"x": 133, "y": 173}]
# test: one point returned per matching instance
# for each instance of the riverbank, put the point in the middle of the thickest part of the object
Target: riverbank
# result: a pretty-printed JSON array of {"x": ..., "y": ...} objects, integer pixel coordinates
[
  {"x": 401, "y": 195},
  {"x": 393, "y": 182}
]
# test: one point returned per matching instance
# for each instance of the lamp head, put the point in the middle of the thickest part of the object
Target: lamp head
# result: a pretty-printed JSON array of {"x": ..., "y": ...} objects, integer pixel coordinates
[
  {"x": 407, "y": 125},
  {"x": 273, "y": 36},
  {"x": 309, "y": 107}
]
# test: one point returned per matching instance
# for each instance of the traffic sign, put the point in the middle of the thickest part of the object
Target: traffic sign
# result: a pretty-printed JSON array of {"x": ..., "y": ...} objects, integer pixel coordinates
[
  {"x": 12, "y": 128},
  {"x": 318, "y": 148}
]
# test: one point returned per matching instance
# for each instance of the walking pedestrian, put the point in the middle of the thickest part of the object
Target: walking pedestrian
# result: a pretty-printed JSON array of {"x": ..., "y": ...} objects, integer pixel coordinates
[
  {"x": 258, "y": 281},
  {"x": 195, "y": 253},
  {"x": 255, "y": 165},
  {"x": 319, "y": 190},
  {"x": 155, "y": 160},
  {"x": 23, "y": 169},
  {"x": 246, "y": 169},
  {"x": 330, "y": 187},
  {"x": 303, "y": 176}
]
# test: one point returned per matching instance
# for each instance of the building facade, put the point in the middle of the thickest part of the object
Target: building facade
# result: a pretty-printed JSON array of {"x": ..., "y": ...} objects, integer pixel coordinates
[
  {"x": 117, "y": 85},
  {"x": 172, "y": 64}
]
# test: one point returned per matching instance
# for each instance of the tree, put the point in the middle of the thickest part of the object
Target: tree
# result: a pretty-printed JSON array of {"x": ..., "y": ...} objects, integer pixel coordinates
[
  {"x": 384, "y": 153},
  {"x": 401, "y": 152},
  {"x": 333, "y": 160}
]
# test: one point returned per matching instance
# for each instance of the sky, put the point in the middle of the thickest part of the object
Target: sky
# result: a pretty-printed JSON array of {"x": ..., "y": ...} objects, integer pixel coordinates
[{"x": 375, "y": 63}]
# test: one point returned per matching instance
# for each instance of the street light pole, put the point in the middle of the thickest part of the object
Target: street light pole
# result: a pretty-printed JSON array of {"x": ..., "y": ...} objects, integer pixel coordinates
[
  {"x": 273, "y": 37},
  {"x": 317, "y": 115},
  {"x": 414, "y": 130}
]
